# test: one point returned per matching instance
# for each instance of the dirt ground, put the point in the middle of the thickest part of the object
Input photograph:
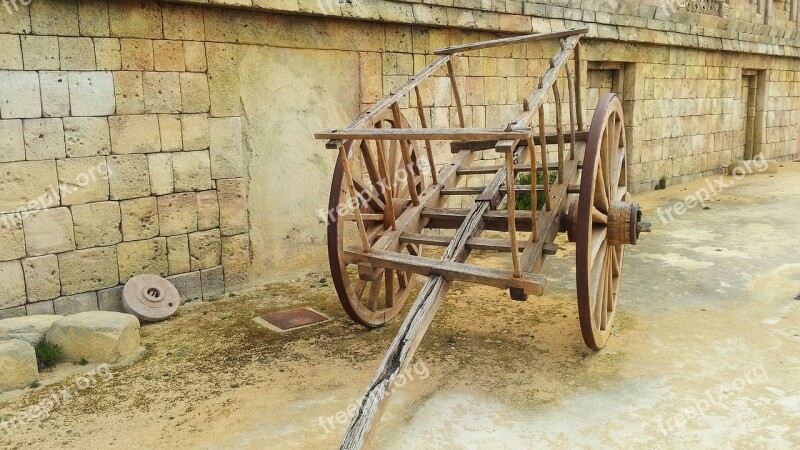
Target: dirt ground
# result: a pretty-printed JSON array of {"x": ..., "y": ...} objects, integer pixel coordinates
[{"x": 705, "y": 354}]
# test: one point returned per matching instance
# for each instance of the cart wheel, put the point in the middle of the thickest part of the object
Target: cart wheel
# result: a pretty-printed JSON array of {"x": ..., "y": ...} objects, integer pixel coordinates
[
  {"x": 371, "y": 297},
  {"x": 602, "y": 222}
]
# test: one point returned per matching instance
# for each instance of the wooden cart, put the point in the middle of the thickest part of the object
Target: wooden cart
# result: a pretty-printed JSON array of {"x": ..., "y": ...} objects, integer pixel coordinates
[{"x": 383, "y": 200}]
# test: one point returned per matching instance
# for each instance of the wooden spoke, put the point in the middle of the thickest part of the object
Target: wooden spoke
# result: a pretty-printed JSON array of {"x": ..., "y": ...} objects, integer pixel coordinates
[{"x": 374, "y": 294}]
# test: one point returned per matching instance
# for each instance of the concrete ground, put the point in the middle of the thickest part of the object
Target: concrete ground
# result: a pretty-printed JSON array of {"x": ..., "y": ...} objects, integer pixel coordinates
[{"x": 705, "y": 354}]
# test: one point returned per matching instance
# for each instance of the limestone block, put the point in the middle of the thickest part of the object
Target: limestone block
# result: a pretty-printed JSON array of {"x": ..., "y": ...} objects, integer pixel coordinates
[
  {"x": 91, "y": 93},
  {"x": 232, "y": 196},
  {"x": 142, "y": 257},
  {"x": 17, "y": 311},
  {"x": 107, "y": 53},
  {"x": 171, "y": 137},
  {"x": 83, "y": 180},
  {"x": 97, "y": 224},
  {"x": 93, "y": 18},
  {"x": 40, "y": 52},
  {"x": 20, "y": 97},
  {"x": 207, "y": 210},
  {"x": 205, "y": 248},
  {"x": 177, "y": 214},
  {"x": 195, "y": 130},
  {"x": 76, "y": 53},
  {"x": 129, "y": 176},
  {"x": 88, "y": 270},
  {"x": 227, "y": 150},
  {"x": 168, "y": 56},
  {"x": 44, "y": 139},
  {"x": 236, "y": 260},
  {"x": 162, "y": 92},
  {"x": 136, "y": 19},
  {"x": 128, "y": 92},
  {"x": 189, "y": 286},
  {"x": 87, "y": 136},
  {"x": 55, "y": 94},
  {"x": 751, "y": 167},
  {"x": 17, "y": 23},
  {"x": 12, "y": 143},
  {"x": 12, "y": 284},
  {"x": 28, "y": 185},
  {"x": 371, "y": 81},
  {"x": 98, "y": 336},
  {"x": 55, "y": 18},
  {"x": 30, "y": 329},
  {"x": 18, "y": 368},
  {"x": 160, "y": 166},
  {"x": 74, "y": 304},
  {"x": 195, "y": 56},
  {"x": 42, "y": 278},
  {"x": 224, "y": 83},
  {"x": 178, "y": 254},
  {"x": 183, "y": 22},
  {"x": 194, "y": 92},
  {"x": 44, "y": 308},
  {"x": 12, "y": 237},
  {"x": 213, "y": 281},
  {"x": 136, "y": 54},
  {"x": 139, "y": 218},
  {"x": 110, "y": 299},
  {"x": 48, "y": 231},
  {"x": 192, "y": 171}
]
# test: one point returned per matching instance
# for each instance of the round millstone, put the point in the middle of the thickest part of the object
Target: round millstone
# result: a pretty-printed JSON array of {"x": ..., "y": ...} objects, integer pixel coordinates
[{"x": 150, "y": 298}]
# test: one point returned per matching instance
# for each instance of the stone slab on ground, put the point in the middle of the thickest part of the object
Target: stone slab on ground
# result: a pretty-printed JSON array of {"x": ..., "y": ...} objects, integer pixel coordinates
[
  {"x": 97, "y": 336},
  {"x": 17, "y": 365},
  {"x": 31, "y": 329}
]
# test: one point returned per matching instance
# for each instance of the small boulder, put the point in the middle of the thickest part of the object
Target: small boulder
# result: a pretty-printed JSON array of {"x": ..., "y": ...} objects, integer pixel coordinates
[
  {"x": 17, "y": 365},
  {"x": 31, "y": 329},
  {"x": 96, "y": 336}
]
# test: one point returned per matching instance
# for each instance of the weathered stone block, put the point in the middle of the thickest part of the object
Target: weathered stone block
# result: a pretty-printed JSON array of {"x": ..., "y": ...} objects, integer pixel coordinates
[
  {"x": 168, "y": 56},
  {"x": 162, "y": 92},
  {"x": 91, "y": 93},
  {"x": 236, "y": 260},
  {"x": 44, "y": 139},
  {"x": 213, "y": 283},
  {"x": 136, "y": 19},
  {"x": 136, "y": 54},
  {"x": 28, "y": 185},
  {"x": 42, "y": 278},
  {"x": 195, "y": 56},
  {"x": 87, "y": 136},
  {"x": 177, "y": 214},
  {"x": 55, "y": 94},
  {"x": 183, "y": 22},
  {"x": 48, "y": 231},
  {"x": 178, "y": 254},
  {"x": 40, "y": 52},
  {"x": 205, "y": 248},
  {"x": 76, "y": 53},
  {"x": 160, "y": 165},
  {"x": 12, "y": 143},
  {"x": 74, "y": 304},
  {"x": 110, "y": 299},
  {"x": 97, "y": 224},
  {"x": 194, "y": 92},
  {"x": 139, "y": 218},
  {"x": 232, "y": 196},
  {"x": 129, "y": 176},
  {"x": 17, "y": 311},
  {"x": 107, "y": 53},
  {"x": 55, "y": 18},
  {"x": 171, "y": 136},
  {"x": 227, "y": 149},
  {"x": 195, "y": 131},
  {"x": 12, "y": 237},
  {"x": 93, "y": 18},
  {"x": 97, "y": 336},
  {"x": 142, "y": 257},
  {"x": 134, "y": 134},
  {"x": 192, "y": 171},
  {"x": 17, "y": 23},
  {"x": 189, "y": 286},
  {"x": 18, "y": 367},
  {"x": 12, "y": 284},
  {"x": 20, "y": 97},
  {"x": 30, "y": 329},
  {"x": 88, "y": 270},
  {"x": 83, "y": 180},
  {"x": 128, "y": 92},
  {"x": 40, "y": 308},
  {"x": 207, "y": 210}
]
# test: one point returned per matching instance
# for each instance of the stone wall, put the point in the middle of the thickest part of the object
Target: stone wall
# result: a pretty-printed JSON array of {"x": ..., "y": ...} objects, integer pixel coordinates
[{"x": 183, "y": 134}]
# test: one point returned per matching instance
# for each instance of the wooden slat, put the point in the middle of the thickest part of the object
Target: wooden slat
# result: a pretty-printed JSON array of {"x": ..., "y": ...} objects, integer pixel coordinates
[
  {"x": 510, "y": 41},
  {"x": 482, "y": 170},
  {"x": 446, "y": 218},
  {"x": 475, "y": 190},
  {"x": 552, "y": 138},
  {"x": 433, "y": 134},
  {"x": 475, "y": 243}
]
